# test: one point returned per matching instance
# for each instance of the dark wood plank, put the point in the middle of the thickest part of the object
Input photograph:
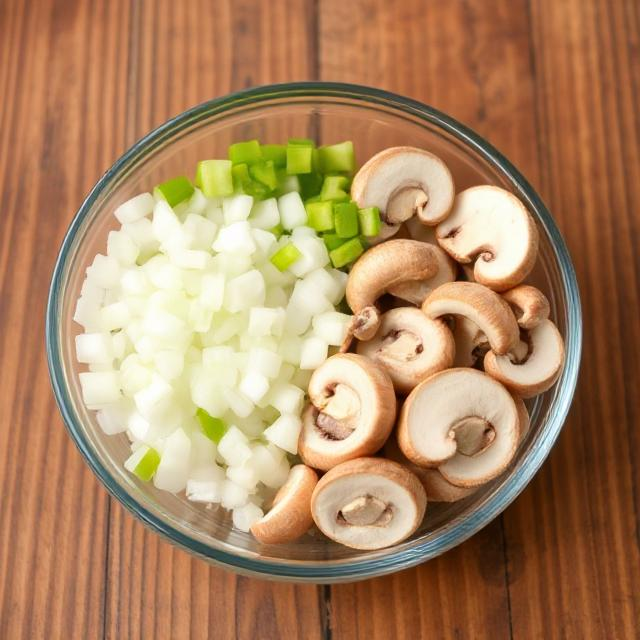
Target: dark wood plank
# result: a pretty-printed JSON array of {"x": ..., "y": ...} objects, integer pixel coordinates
[
  {"x": 57, "y": 66},
  {"x": 181, "y": 55},
  {"x": 472, "y": 61}
]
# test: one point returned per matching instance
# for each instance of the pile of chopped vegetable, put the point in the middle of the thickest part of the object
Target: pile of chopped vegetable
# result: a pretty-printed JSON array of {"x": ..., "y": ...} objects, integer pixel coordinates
[{"x": 212, "y": 306}]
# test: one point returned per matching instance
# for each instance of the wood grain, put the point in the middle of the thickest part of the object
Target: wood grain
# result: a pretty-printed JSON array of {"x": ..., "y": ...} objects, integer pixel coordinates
[{"x": 554, "y": 85}]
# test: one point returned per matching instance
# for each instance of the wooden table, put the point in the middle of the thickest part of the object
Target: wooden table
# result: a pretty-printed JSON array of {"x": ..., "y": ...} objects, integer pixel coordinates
[{"x": 555, "y": 84}]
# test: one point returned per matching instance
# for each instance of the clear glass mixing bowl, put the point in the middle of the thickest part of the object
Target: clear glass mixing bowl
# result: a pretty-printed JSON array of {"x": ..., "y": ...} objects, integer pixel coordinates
[{"x": 329, "y": 113}]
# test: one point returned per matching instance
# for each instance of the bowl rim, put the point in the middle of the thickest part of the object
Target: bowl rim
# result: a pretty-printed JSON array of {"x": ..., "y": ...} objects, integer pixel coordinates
[{"x": 389, "y": 560}]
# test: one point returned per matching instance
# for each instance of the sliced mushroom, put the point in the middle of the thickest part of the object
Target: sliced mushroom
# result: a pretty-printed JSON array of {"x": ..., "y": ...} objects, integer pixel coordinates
[
  {"x": 485, "y": 308},
  {"x": 416, "y": 291},
  {"x": 403, "y": 182},
  {"x": 419, "y": 231},
  {"x": 436, "y": 487},
  {"x": 351, "y": 413},
  {"x": 492, "y": 227},
  {"x": 467, "y": 270},
  {"x": 410, "y": 347},
  {"x": 471, "y": 343},
  {"x": 524, "y": 420},
  {"x": 539, "y": 370},
  {"x": 529, "y": 305},
  {"x": 386, "y": 231},
  {"x": 290, "y": 514},
  {"x": 380, "y": 268},
  {"x": 368, "y": 503},
  {"x": 462, "y": 421}
]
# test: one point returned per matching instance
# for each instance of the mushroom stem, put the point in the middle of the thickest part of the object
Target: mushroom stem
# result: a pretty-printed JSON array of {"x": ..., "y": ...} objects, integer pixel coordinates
[
  {"x": 472, "y": 435},
  {"x": 405, "y": 203},
  {"x": 366, "y": 511},
  {"x": 351, "y": 412},
  {"x": 410, "y": 347},
  {"x": 402, "y": 345}
]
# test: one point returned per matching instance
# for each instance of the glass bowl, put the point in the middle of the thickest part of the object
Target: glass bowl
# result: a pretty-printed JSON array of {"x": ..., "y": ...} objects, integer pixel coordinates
[{"x": 327, "y": 112}]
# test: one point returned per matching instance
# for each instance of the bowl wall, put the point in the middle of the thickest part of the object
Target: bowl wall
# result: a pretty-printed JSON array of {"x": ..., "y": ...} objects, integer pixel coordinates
[{"x": 328, "y": 114}]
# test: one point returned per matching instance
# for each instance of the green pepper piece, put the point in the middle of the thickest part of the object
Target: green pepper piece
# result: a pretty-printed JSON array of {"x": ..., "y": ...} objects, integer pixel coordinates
[
  {"x": 299, "y": 159},
  {"x": 285, "y": 256},
  {"x": 174, "y": 191},
  {"x": 370, "y": 222},
  {"x": 213, "y": 428},
  {"x": 320, "y": 215},
  {"x": 310, "y": 184},
  {"x": 148, "y": 464},
  {"x": 346, "y": 219},
  {"x": 277, "y": 231},
  {"x": 214, "y": 178},
  {"x": 334, "y": 188},
  {"x": 333, "y": 241},
  {"x": 241, "y": 177},
  {"x": 337, "y": 157},
  {"x": 242, "y": 182},
  {"x": 346, "y": 253},
  {"x": 265, "y": 173},
  {"x": 245, "y": 152},
  {"x": 302, "y": 142},
  {"x": 277, "y": 153}
]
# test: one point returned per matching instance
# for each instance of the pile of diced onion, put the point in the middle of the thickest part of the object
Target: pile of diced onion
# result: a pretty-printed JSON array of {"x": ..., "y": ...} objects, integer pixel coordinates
[{"x": 200, "y": 342}]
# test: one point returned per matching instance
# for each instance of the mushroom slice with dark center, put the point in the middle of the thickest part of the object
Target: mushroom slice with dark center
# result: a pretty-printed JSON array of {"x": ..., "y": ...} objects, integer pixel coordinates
[
  {"x": 462, "y": 421},
  {"x": 410, "y": 347},
  {"x": 380, "y": 268},
  {"x": 368, "y": 503},
  {"x": 351, "y": 412},
  {"x": 483, "y": 307},
  {"x": 473, "y": 435},
  {"x": 339, "y": 416},
  {"x": 471, "y": 343},
  {"x": 529, "y": 305},
  {"x": 539, "y": 370},
  {"x": 492, "y": 227},
  {"x": 404, "y": 182},
  {"x": 290, "y": 514},
  {"x": 436, "y": 487},
  {"x": 416, "y": 291}
]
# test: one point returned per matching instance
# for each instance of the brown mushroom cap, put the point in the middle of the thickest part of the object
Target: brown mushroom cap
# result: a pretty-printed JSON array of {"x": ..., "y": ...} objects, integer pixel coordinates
[
  {"x": 386, "y": 265},
  {"x": 539, "y": 370},
  {"x": 368, "y": 503},
  {"x": 437, "y": 488},
  {"x": 485, "y": 308},
  {"x": 462, "y": 421},
  {"x": 351, "y": 413},
  {"x": 290, "y": 514},
  {"x": 410, "y": 347},
  {"x": 529, "y": 305},
  {"x": 416, "y": 291},
  {"x": 492, "y": 227},
  {"x": 403, "y": 182}
]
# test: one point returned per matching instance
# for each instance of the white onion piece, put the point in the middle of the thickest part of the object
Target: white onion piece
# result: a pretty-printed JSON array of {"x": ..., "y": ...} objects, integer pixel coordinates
[
  {"x": 186, "y": 311},
  {"x": 292, "y": 211},
  {"x": 245, "y": 517},
  {"x": 136, "y": 208}
]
